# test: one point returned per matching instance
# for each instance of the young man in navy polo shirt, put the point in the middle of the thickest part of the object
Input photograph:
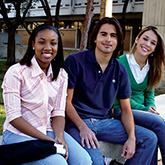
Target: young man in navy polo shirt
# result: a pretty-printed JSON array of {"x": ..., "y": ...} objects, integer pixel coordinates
[{"x": 95, "y": 79}]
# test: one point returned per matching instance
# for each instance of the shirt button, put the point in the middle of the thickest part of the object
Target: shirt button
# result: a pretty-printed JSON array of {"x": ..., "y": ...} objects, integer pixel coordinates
[
  {"x": 99, "y": 71},
  {"x": 113, "y": 80}
]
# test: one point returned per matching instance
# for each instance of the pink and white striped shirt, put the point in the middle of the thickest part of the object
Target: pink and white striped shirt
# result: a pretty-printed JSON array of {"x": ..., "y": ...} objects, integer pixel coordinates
[{"x": 29, "y": 93}]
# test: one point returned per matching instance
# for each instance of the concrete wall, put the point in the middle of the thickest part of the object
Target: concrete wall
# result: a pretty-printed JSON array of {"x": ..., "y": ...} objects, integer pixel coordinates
[
  {"x": 4, "y": 38},
  {"x": 20, "y": 51},
  {"x": 154, "y": 14},
  {"x": 24, "y": 36},
  {"x": 70, "y": 38}
]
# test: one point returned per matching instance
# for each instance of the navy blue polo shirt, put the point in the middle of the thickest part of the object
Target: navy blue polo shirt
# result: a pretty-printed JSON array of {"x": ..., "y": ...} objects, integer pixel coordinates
[{"x": 94, "y": 91}]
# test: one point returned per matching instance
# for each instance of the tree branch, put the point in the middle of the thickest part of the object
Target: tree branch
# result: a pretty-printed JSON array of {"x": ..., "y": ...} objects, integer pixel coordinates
[
  {"x": 4, "y": 12},
  {"x": 57, "y": 13},
  {"x": 26, "y": 10},
  {"x": 47, "y": 10}
]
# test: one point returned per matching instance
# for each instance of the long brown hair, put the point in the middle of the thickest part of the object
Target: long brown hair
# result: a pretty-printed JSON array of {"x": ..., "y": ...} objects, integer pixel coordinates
[{"x": 156, "y": 60}]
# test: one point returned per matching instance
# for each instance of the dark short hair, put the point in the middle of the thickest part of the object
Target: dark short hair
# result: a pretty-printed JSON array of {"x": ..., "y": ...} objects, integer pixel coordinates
[
  {"x": 113, "y": 21},
  {"x": 59, "y": 59}
]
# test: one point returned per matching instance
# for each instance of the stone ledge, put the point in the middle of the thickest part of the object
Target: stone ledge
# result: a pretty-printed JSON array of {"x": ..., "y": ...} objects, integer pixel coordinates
[
  {"x": 111, "y": 150},
  {"x": 114, "y": 151}
]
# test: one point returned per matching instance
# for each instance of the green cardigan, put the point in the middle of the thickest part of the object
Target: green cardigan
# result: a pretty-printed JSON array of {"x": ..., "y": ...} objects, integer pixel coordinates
[{"x": 141, "y": 99}]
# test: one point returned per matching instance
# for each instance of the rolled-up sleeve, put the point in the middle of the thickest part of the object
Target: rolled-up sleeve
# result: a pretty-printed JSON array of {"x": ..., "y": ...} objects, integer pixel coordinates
[{"x": 60, "y": 103}]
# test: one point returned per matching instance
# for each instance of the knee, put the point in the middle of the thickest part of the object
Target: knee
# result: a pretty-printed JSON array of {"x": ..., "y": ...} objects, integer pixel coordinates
[
  {"x": 51, "y": 160},
  {"x": 80, "y": 157},
  {"x": 149, "y": 140},
  {"x": 85, "y": 160},
  {"x": 97, "y": 161},
  {"x": 88, "y": 159},
  {"x": 160, "y": 123},
  {"x": 152, "y": 138},
  {"x": 56, "y": 159},
  {"x": 94, "y": 157}
]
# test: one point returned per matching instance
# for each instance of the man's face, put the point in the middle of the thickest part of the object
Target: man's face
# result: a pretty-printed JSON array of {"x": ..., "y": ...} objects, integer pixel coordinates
[{"x": 106, "y": 40}]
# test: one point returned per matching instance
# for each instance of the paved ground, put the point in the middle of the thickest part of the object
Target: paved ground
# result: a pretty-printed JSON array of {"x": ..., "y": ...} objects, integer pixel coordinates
[{"x": 160, "y": 104}]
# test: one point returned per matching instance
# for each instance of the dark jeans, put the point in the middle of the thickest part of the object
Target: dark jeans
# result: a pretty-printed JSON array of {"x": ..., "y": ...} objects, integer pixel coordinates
[{"x": 111, "y": 130}]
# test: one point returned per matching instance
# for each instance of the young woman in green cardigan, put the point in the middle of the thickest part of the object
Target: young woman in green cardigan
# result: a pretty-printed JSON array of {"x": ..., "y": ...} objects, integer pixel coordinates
[{"x": 144, "y": 64}]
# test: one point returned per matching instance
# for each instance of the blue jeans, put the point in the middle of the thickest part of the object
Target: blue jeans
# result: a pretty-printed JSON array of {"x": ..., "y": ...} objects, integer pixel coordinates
[
  {"x": 77, "y": 155},
  {"x": 113, "y": 131},
  {"x": 152, "y": 122}
]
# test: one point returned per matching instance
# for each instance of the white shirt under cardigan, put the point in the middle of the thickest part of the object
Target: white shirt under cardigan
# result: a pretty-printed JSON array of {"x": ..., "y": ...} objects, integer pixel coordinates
[{"x": 139, "y": 74}]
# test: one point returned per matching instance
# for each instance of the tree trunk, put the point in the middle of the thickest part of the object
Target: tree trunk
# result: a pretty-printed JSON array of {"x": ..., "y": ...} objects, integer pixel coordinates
[
  {"x": 47, "y": 10},
  {"x": 12, "y": 24},
  {"x": 106, "y": 8},
  {"x": 86, "y": 25},
  {"x": 11, "y": 47},
  {"x": 102, "y": 9},
  {"x": 57, "y": 13}
]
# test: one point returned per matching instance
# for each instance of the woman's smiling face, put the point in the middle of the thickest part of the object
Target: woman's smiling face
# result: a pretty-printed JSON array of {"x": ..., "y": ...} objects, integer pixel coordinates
[
  {"x": 46, "y": 47},
  {"x": 146, "y": 44}
]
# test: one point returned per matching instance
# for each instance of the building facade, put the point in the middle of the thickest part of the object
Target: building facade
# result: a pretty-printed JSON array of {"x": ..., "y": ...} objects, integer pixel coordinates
[
  {"x": 72, "y": 15},
  {"x": 139, "y": 13}
]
